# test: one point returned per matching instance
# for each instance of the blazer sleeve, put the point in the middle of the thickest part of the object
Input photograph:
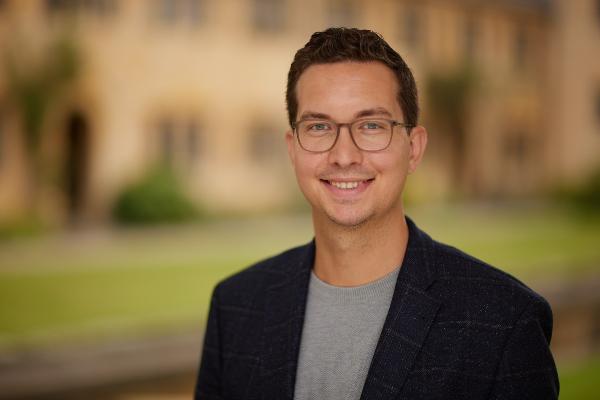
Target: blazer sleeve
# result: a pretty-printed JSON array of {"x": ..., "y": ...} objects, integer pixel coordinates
[
  {"x": 208, "y": 384},
  {"x": 527, "y": 369}
]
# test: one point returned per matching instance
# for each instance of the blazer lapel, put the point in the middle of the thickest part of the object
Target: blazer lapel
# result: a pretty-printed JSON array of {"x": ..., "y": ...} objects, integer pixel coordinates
[
  {"x": 409, "y": 319},
  {"x": 284, "y": 318}
]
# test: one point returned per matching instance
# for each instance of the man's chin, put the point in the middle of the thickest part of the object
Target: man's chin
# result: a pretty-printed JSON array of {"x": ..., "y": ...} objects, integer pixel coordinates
[{"x": 349, "y": 221}]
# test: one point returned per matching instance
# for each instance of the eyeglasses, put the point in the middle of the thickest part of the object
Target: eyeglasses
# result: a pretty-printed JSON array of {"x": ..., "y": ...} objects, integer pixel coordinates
[{"x": 320, "y": 135}]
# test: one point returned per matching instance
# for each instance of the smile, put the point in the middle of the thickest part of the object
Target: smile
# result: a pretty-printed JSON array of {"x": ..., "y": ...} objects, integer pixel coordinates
[
  {"x": 348, "y": 185},
  {"x": 345, "y": 185}
]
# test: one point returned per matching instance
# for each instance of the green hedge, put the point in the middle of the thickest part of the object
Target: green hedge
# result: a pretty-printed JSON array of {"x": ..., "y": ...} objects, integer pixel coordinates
[
  {"x": 156, "y": 198},
  {"x": 584, "y": 198}
]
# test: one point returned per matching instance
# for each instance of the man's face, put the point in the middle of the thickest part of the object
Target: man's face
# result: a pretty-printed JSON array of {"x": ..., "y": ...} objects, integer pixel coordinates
[{"x": 345, "y": 184}]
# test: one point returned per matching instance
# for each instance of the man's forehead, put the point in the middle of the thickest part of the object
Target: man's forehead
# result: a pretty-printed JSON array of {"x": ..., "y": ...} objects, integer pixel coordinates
[
  {"x": 360, "y": 88},
  {"x": 349, "y": 69}
]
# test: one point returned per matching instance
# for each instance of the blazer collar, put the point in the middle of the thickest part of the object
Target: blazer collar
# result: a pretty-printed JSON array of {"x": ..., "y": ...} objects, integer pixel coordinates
[
  {"x": 284, "y": 318},
  {"x": 408, "y": 321}
]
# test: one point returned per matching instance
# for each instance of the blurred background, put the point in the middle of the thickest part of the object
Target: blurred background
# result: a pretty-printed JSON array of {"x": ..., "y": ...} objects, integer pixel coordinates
[{"x": 142, "y": 159}]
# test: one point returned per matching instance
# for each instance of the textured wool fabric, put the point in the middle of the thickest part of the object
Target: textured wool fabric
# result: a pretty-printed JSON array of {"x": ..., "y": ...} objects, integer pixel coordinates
[
  {"x": 340, "y": 332},
  {"x": 456, "y": 328}
]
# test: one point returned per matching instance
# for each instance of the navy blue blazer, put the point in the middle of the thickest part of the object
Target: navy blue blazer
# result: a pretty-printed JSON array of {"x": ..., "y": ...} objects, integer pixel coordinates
[{"x": 457, "y": 328}]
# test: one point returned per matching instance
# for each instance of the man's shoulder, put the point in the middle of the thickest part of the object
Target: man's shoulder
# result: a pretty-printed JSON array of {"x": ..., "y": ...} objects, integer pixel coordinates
[
  {"x": 258, "y": 276},
  {"x": 458, "y": 270}
]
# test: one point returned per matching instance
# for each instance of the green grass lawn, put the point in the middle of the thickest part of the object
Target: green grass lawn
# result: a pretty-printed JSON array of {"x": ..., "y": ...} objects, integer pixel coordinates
[
  {"x": 580, "y": 381},
  {"x": 530, "y": 243},
  {"x": 114, "y": 282},
  {"x": 109, "y": 282}
]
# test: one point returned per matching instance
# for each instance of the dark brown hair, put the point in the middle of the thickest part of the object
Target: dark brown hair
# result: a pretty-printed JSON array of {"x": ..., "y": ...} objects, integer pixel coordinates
[{"x": 351, "y": 44}]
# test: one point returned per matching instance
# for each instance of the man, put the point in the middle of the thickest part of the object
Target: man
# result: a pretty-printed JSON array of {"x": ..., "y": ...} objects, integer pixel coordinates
[{"x": 372, "y": 308}]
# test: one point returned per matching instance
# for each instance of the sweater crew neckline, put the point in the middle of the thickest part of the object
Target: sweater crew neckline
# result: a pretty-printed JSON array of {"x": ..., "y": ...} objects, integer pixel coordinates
[{"x": 353, "y": 294}]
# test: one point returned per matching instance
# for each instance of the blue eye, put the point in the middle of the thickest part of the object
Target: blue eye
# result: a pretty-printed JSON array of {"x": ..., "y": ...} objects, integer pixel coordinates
[
  {"x": 319, "y": 126},
  {"x": 371, "y": 125}
]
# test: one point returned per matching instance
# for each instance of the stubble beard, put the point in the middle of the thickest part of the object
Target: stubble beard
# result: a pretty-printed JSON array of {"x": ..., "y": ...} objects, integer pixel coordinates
[
  {"x": 348, "y": 224},
  {"x": 360, "y": 222}
]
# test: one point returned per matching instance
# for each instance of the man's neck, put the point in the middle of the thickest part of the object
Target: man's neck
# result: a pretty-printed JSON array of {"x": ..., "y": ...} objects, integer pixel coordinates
[{"x": 352, "y": 256}]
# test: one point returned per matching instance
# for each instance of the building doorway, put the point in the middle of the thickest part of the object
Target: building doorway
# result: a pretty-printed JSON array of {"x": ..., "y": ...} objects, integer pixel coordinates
[{"x": 76, "y": 164}]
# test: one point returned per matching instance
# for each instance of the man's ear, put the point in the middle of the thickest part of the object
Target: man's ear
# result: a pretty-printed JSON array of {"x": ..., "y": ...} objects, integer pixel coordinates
[
  {"x": 289, "y": 139},
  {"x": 418, "y": 143}
]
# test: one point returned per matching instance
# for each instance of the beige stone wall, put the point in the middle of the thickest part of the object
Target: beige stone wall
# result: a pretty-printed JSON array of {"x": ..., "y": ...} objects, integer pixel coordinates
[
  {"x": 226, "y": 78},
  {"x": 575, "y": 82}
]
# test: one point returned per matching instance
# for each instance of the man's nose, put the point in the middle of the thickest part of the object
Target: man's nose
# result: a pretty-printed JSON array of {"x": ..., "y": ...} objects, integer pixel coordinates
[{"x": 345, "y": 152}]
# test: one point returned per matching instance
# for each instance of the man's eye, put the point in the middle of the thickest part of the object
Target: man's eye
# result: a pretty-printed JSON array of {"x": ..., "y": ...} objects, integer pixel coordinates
[
  {"x": 319, "y": 127},
  {"x": 371, "y": 125}
]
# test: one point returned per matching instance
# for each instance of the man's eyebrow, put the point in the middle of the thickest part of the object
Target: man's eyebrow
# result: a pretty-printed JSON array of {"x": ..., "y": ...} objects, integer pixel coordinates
[
  {"x": 373, "y": 111},
  {"x": 363, "y": 113},
  {"x": 314, "y": 115}
]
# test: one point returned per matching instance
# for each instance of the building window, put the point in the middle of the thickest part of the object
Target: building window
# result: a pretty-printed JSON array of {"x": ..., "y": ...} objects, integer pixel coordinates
[
  {"x": 265, "y": 146},
  {"x": 521, "y": 49},
  {"x": 597, "y": 105},
  {"x": 195, "y": 12},
  {"x": 179, "y": 142},
  {"x": 342, "y": 12},
  {"x": 61, "y": 7},
  {"x": 411, "y": 27},
  {"x": 166, "y": 140},
  {"x": 179, "y": 12},
  {"x": 2, "y": 138},
  {"x": 54, "y": 6},
  {"x": 470, "y": 39},
  {"x": 167, "y": 11},
  {"x": 269, "y": 15},
  {"x": 516, "y": 147},
  {"x": 193, "y": 145},
  {"x": 101, "y": 8}
]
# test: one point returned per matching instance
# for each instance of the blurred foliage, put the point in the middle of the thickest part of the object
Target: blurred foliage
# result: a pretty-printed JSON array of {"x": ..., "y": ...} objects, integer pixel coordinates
[
  {"x": 156, "y": 198},
  {"x": 449, "y": 96},
  {"x": 33, "y": 89},
  {"x": 585, "y": 198},
  {"x": 21, "y": 227},
  {"x": 34, "y": 86},
  {"x": 581, "y": 381}
]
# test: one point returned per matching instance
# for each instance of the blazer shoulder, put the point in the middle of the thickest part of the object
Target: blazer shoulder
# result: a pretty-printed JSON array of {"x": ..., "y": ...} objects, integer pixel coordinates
[
  {"x": 456, "y": 265},
  {"x": 255, "y": 278}
]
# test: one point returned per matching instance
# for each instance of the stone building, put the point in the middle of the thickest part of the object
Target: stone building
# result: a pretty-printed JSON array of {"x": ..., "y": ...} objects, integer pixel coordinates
[{"x": 200, "y": 84}]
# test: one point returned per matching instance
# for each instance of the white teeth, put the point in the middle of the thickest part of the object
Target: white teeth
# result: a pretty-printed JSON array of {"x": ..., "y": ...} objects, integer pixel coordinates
[{"x": 345, "y": 185}]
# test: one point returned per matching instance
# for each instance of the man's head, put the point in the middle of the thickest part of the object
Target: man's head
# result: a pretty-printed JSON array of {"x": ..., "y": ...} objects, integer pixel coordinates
[
  {"x": 350, "y": 44},
  {"x": 354, "y": 137}
]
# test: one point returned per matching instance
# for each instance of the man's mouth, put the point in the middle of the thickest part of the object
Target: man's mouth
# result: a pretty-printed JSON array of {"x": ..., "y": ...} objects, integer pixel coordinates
[{"x": 347, "y": 185}]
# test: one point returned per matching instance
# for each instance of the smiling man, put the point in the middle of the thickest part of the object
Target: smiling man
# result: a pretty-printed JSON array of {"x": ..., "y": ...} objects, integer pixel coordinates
[{"x": 372, "y": 308}]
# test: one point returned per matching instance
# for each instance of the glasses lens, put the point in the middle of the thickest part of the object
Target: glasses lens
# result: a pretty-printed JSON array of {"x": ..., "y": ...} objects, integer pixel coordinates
[
  {"x": 316, "y": 135},
  {"x": 372, "y": 134}
]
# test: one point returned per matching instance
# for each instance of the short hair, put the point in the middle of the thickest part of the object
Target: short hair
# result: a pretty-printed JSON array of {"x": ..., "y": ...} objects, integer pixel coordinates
[{"x": 351, "y": 44}]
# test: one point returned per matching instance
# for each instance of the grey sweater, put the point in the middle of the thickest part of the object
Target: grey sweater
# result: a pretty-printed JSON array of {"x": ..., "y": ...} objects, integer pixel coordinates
[{"x": 341, "y": 329}]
